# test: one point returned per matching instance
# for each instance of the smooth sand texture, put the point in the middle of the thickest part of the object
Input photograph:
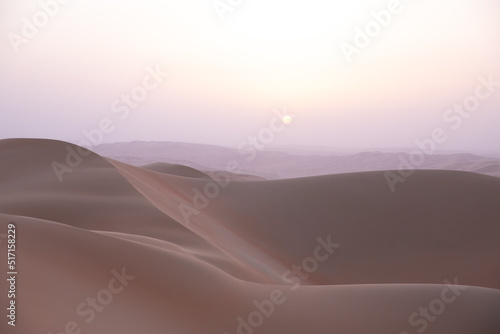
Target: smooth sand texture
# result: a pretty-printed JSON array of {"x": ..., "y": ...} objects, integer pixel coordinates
[{"x": 375, "y": 257}]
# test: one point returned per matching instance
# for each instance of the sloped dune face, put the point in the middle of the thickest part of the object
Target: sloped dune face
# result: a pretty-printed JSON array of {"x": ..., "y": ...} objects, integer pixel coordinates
[{"x": 105, "y": 247}]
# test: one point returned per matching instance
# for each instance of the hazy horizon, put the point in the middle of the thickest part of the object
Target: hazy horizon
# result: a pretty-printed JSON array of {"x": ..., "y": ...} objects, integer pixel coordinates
[{"x": 290, "y": 148}]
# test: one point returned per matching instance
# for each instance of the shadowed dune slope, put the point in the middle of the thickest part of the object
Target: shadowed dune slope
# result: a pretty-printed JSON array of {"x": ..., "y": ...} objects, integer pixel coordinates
[{"x": 201, "y": 255}]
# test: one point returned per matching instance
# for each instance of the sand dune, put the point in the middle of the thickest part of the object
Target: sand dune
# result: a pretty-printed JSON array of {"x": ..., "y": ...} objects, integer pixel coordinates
[
  {"x": 290, "y": 163},
  {"x": 166, "y": 248}
]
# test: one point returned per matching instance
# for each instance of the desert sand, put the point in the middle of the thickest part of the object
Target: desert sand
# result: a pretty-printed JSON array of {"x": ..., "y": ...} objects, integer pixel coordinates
[{"x": 167, "y": 248}]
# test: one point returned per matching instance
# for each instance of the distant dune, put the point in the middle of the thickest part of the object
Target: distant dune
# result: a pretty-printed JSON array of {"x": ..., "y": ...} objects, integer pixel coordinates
[
  {"x": 172, "y": 248},
  {"x": 291, "y": 163},
  {"x": 174, "y": 169}
]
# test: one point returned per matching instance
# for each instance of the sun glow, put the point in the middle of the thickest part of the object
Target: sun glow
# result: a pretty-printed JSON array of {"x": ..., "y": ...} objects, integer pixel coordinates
[
  {"x": 286, "y": 20},
  {"x": 287, "y": 120}
]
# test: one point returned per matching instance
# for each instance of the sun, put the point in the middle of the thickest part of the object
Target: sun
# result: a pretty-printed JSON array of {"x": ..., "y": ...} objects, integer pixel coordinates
[{"x": 287, "y": 120}]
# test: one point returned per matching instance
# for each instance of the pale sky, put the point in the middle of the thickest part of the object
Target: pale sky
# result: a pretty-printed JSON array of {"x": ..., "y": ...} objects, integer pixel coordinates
[{"x": 227, "y": 75}]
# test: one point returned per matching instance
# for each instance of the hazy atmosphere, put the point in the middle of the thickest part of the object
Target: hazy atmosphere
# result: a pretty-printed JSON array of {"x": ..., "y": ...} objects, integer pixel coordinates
[
  {"x": 222, "y": 69},
  {"x": 250, "y": 167}
]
